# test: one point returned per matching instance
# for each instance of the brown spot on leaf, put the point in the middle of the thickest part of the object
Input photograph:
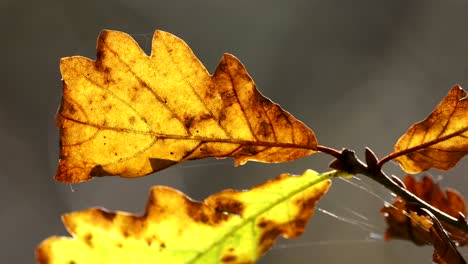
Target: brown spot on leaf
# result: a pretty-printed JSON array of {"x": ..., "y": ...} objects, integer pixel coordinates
[
  {"x": 201, "y": 213},
  {"x": 67, "y": 108},
  {"x": 228, "y": 258},
  {"x": 136, "y": 226},
  {"x": 131, "y": 120},
  {"x": 107, "y": 215},
  {"x": 229, "y": 205},
  {"x": 88, "y": 239},
  {"x": 205, "y": 117},
  {"x": 268, "y": 237},
  {"x": 265, "y": 129},
  {"x": 149, "y": 241},
  {"x": 307, "y": 207},
  {"x": 189, "y": 121}
]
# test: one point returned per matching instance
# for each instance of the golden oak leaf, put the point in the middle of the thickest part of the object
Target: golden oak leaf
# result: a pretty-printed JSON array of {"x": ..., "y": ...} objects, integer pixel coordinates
[
  {"x": 440, "y": 140},
  {"x": 417, "y": 228},
  {"x": 228, "y": 227},
  {"x": 130, "y": 114}
]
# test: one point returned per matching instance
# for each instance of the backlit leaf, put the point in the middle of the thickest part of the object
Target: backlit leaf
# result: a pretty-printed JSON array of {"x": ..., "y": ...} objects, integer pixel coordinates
[
  {"x": 130, "y": 114},
  {"x": 228, "y": 227},
  {"x": 417, "y": 228},
  {"x": 440, "y": 140}
]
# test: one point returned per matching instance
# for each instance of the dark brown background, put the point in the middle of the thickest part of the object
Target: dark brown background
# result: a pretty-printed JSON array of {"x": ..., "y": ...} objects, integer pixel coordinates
[{"x": 358, "y": 72}]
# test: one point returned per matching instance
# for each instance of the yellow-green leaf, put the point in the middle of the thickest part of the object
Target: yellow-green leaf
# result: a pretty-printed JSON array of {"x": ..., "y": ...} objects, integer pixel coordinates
[
  {"x": 228, "y": 227},
  {"x": 130, "y": 114}
]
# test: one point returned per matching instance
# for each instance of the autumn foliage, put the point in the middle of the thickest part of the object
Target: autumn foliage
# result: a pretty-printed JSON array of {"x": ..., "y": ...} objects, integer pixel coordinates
[
  {"x": 405, "y": 223},
  {"x": 440, "y": 140},
  {"x": 109, "y": 127},
  {"x": 237, "y": 226},
  {"x": 129, "y": 114}
]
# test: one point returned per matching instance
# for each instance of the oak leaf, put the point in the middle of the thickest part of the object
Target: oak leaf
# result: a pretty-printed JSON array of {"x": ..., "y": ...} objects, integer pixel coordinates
[
  {"x": 445, "y": 251},
  {"x": 130, "y": 114},
  {"x": 425, "y": 228},
  {"x": 228, "y": 227},
  {"x": 448, "y": 201},
  {"x": 404, "y": 223},
  {"x": 440, "y": 140}
]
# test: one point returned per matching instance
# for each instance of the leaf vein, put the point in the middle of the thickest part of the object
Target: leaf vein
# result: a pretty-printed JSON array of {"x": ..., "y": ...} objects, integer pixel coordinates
[{"x": 149, "y": 88}]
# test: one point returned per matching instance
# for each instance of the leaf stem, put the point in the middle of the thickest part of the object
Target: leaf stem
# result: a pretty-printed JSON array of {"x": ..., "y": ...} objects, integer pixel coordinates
[
  {"x": 352, "y": 165},
  {"x": 330, "y": 151}
]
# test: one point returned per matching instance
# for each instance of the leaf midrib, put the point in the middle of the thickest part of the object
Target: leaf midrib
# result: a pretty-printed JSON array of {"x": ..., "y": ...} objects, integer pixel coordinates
[
  {"x": 430, "y": 143},
  {"x": 198, "y": 138},
  {"x": 319, "y": 178}
]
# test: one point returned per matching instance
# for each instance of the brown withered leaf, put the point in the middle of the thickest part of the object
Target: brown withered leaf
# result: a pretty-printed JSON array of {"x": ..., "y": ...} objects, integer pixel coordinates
[
  {"x": 450, "y": 201},
  {"x": 445, "y": 251},
  {"x": 228, "y": 227},
  {"x": 423, "y": 228},
  {"x": 417, "y": 227},
  {"x": 400, "y": 226},
  {"x": 130, "y": 114},
  {"x": 440, "y": 140}
]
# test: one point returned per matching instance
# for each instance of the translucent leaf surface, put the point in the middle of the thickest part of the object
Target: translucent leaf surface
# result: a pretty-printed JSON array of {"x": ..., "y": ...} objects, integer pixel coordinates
[
  {"x": 228, "y": 227},
  {"x": 440, "y": 140},
  {"x": 130, "y": 114}
]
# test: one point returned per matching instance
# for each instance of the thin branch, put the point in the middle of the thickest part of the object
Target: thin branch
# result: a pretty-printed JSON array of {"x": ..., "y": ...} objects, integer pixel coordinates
[
  {"x": 330, "y": 151},
  {"x": 351, "y": 164}
]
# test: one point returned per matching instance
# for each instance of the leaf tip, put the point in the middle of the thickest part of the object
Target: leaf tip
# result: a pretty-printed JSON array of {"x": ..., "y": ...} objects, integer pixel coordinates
[{"x": 42, "y": 256}]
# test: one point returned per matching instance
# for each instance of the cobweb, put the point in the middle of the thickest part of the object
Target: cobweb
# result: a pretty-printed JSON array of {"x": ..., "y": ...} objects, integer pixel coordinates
[
  {"x": 368, "y": 223},
  {"x": 372, "y": 231}
]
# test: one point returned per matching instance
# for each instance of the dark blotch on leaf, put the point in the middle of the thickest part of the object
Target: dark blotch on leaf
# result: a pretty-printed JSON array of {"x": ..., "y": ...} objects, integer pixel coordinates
[
  {"x": 229, "y": 205},
  {"x": 268, "y": 238},
  {"x": 197, "y": 212},
  {"x": 189, "y": 121},
  {"x": 228, "y": 258},
  {"x": 262, "y": 224},
  {"x": 88, "y": 240},
  {"x": 107, "y": 215}
]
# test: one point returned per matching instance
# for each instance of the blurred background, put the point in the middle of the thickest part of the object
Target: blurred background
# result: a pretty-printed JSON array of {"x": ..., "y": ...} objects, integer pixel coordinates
[{"x": 359, "y": 73}]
